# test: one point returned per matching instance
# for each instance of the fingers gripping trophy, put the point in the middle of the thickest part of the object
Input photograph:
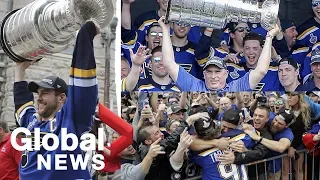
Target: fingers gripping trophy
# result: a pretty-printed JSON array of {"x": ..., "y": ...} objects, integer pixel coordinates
[
  {"x": 45, "y": 27},
  {"x": 217, "y": 13}
]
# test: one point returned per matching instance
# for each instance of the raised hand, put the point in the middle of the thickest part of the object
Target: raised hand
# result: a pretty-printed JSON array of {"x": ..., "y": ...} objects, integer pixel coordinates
[
  {"x": 141, "y": 55},
  {"x": 185, "y": 140},
  {"x": 155, "y": 149}
]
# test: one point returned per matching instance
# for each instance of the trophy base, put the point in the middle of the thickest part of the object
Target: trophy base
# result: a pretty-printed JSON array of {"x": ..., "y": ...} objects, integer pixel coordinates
[{"x": 4, "y": 45}]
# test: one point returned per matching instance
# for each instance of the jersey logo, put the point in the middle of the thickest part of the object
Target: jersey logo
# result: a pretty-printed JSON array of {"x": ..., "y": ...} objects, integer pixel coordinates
[
  {"x": 313, "y": 39},
  {"x": 3, "y": 149},
  {"x": 259, "y": 87},
  {"x": 25, "y": 155},
  {"x": 254, "y": 26},
  {"x": 186, "y": 67},
  {"x": 234, "y": 74}
]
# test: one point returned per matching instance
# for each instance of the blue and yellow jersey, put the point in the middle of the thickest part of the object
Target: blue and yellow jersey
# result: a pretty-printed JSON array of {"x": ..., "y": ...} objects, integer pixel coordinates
[
  {"x": 212, "y": 169},
  {"x": 270, "y": 82},
  {"x": 75, "y": 115},
  {"x": 148, "y": 84},
  {"x": 308, "y": 33}
]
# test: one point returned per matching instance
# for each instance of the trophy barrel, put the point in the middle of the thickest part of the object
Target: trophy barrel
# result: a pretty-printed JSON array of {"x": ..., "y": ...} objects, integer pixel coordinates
[
  {"x": 217, "y": 13},
  {"x": 45, "y": 27}
]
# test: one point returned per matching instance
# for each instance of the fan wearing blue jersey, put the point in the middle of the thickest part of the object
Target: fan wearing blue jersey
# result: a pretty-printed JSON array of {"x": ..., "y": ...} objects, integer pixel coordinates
[
  {"x": 253, "y": 48},
  {"x": 208, "y": 158},
  {"x": 309, "y": 32},
  {"x": 55, "y": 110},
  {"x": 215, "y": 73},
  {"x": 158, "y": 81}
]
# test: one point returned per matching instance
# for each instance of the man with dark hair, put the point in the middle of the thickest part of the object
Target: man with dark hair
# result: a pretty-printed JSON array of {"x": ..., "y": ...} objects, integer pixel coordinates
[
  {"x": 282, "y": 138},
  {"x": 289, "y": 76},
  {"x": 285, "y": 45},
  {"x": 55, "y": 111},
  {"x": 10, "y": 157},
  {"x": 252, "y": 50},
  {"x": 163, "y": 166},
  {"x": 159, "y": 80},
  {"x": 207, "y": 130},
  {"x": 258, "y": 151}
]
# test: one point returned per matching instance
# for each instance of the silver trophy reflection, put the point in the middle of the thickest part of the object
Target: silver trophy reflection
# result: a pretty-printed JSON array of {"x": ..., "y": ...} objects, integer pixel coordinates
[
  {"x": 45, "y": 27},
  {"x": 217, "y": 13}
]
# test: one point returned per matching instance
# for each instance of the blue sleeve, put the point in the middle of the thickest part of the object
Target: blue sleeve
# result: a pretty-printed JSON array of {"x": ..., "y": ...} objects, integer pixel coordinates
[
  {"x": 83, "y": 89},
  {"x": 315, "y": 129},
  {"x": 248, "y": 142},
  {"x": 186, "y": 82},
  {"x": 315, "y": 107},
  {"x": 24, "y": 103},
  {"x": 287, "y": 133},
  {"x": 203, "y": 51},
  {"x": 306, "y": 67},
  {"x": 241, "y": 84}
]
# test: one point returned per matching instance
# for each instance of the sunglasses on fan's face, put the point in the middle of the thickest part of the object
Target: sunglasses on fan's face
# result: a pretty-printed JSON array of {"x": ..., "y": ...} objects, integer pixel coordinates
[
  {"x": 183, "y": 24},
  {"x": 315, "y": 3},
  {"x": 156, "y": 34},
  {"x": 241, "y": 29},
  {"x": 157, "y": 59}
]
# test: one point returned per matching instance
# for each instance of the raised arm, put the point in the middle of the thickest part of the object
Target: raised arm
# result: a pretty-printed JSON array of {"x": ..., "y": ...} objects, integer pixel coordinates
[
  {"x": 23, "y": 98},
  {"x": 167, "y": 51},
  {"x": 261, "y": 70},
  {"x": 82, "y": 89},
  {"x": 125, "y": 14},
  {"x": 138, "y": 59}
]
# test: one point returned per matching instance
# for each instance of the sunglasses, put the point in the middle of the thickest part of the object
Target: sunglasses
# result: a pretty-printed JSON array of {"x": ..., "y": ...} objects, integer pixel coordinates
[
  {"x": 278, "y": 103},
  {"x": 315, "y": 3},
  {"x": 183, "y": 24},
  {"x": 157, "y": 59},
  {"x": 241, "y": 29},
  {"x": 156, "y": 34}
]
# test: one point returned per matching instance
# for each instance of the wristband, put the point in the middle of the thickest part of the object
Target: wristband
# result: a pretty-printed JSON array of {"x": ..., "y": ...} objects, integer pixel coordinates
[
  {"x": 268, "y": 35},
  {"x": 260, "y": 140}
]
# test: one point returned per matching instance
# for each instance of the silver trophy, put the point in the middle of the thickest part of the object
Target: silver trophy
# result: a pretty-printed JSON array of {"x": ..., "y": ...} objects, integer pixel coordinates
[
  {"x": 217, "y": 13},
  {"x": 45, "y": 27}
]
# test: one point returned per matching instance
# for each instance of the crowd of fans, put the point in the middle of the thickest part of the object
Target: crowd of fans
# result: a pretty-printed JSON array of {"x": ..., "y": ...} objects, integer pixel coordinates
[
  {"x": 229, "y": 130},
  {"x": 179, "y": 57}
]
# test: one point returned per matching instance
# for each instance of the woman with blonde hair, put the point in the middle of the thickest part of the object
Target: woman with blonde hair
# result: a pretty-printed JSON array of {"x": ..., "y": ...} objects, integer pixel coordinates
[{"x": 300, "y": 105}]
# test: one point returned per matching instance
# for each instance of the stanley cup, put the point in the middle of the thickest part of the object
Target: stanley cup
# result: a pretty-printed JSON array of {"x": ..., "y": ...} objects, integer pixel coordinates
[
  {"x": 217, "y": 13},
  {"x": 45, "y": 27}
]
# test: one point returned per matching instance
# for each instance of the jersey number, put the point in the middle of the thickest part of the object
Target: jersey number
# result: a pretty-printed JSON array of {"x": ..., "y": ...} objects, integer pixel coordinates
[{"x": 228, "y": 171}]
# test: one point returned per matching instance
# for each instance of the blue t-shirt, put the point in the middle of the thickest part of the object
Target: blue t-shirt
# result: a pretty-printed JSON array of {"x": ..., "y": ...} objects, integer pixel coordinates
[
  {"x": 186, "y": 82},
  {"x": 275, "y": 166}
]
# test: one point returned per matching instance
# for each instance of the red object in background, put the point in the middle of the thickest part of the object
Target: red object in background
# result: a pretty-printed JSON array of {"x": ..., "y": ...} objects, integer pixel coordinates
[
  {"x": 310, "y": 144},
  {"x": 9, "y": 159},
  {"x": 119, "y": 125}
]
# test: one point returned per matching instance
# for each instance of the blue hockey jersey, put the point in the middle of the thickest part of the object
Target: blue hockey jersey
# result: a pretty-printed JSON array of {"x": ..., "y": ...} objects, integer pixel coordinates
[
  {"x": 270, "y": 82},
  {"x": 212, "y": 169},
  {"x": 308, "y": 33},
  {"x": 75, "y": 115}
]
